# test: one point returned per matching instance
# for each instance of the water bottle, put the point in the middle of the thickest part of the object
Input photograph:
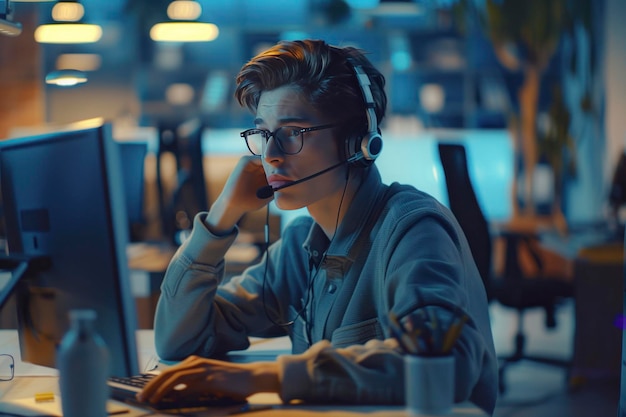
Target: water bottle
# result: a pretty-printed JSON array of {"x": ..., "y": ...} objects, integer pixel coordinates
[{"x": 83, "y": 364}]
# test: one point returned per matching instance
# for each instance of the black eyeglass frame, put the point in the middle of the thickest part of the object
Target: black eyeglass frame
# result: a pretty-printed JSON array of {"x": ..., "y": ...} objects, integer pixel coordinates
[
  {"x": 12, "y": 366},
  {"x": 267, "y": 135}
]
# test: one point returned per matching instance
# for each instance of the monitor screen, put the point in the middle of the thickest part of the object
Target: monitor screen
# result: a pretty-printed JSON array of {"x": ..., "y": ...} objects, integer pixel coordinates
[{"x": 63, "y": 199}]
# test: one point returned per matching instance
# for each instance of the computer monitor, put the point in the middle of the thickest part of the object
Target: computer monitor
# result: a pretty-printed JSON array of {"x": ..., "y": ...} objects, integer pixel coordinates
[{"x": 63, "y": 200}]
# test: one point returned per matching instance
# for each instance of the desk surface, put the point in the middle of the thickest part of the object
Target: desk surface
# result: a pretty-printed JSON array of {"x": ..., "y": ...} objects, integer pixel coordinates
[{"x": 17, "y": 396}]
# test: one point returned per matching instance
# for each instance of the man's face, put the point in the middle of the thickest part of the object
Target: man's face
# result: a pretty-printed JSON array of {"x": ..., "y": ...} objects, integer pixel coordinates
[{"x": 286, "y": 106}]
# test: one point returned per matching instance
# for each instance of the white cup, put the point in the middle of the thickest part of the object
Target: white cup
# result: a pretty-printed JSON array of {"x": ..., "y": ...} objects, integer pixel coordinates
[{"x": 429, "y": 385}]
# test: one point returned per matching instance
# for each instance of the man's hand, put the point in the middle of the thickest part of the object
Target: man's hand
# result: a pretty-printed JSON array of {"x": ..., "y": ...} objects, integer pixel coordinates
[
  {"x": 197, "y": 376},
  {"x": 238, "y": 196}
]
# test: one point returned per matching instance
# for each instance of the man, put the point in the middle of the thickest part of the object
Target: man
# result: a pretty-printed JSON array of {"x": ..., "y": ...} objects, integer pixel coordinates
[{"x": 333, "y": 278}]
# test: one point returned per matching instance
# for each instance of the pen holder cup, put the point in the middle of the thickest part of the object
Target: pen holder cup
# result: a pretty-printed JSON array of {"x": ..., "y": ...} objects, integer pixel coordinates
[{"x": 429, "y": 385}]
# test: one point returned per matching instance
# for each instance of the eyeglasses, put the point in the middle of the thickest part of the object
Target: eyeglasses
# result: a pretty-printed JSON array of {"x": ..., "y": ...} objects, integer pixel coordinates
[
  {"x": 289, "y": 139},
  {"x": 7, "y": 367}
]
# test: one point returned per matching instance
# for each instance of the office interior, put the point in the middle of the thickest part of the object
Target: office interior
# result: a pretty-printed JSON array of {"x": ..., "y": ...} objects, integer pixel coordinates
[{"x": 447, "y": 81}]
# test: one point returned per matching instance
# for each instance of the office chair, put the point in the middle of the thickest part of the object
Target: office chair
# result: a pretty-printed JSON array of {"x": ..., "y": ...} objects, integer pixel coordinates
[
  {"x": 513, "y": 289},
  {"x": 133, "y": 156},
  {"x": 184, "y": 141}
]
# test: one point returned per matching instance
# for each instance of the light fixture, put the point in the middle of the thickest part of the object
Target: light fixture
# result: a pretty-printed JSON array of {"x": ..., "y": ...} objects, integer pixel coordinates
[
  {"x": 82, "y": 62},
  {"x": 67, "y": 27},
  {"x": 66, "y": 78},
  {"x": 184, "y": 10},
  {"x": 67, "y": 11},
  {"x": 184, "y": 32},
  {"x": 183, "y": 27},
  {"x": 8, "y": 27},
  {"x": 68, "y": 33}
]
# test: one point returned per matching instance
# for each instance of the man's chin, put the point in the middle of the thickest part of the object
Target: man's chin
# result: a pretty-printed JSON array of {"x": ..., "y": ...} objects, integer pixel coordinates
[{"x": 286, "y": 202}]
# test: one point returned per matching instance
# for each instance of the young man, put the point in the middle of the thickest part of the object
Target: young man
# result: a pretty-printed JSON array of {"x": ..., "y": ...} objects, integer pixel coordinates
[{"x": 331, "y": 281}]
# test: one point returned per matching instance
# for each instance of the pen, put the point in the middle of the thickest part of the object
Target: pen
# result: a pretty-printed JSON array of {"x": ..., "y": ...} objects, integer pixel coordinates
[
  {"x": 453, "y": 333},
  {"x": 401, "y": 335},
  {"x": 436, "y": 330},
  {"x": 424, "y": 333},
  {"x": 44, "y": 397},
  {"x": 427, "y": 331}
]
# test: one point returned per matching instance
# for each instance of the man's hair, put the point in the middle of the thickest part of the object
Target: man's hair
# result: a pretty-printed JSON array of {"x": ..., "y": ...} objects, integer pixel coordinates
[{"x": 323, "y": 73}]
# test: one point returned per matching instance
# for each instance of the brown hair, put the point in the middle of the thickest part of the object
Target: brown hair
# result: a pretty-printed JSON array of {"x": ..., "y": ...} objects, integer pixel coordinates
[{"x": 324, "y": 73}]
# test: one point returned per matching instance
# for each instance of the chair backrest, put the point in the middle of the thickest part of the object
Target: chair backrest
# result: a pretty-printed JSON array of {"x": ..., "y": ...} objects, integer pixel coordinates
[
  {"x": 133, "y": 155},
  {"x": 465, "y": 207},
  {"x": 184, "y": 142}
]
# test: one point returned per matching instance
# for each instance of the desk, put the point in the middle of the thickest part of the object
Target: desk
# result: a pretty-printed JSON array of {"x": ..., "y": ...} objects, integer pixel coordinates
[
  {"x": 30, "y": 380},
  {"x": 599, "y": 292},
  {"x": 597, "y": 265}
]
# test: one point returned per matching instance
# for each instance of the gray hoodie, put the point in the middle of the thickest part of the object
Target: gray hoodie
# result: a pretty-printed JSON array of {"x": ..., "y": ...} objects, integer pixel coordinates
[{"x": 397, "y": 249}]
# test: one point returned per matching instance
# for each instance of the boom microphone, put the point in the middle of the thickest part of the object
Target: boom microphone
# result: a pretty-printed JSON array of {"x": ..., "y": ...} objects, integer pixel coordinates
[{"x": 268, "y": 190}]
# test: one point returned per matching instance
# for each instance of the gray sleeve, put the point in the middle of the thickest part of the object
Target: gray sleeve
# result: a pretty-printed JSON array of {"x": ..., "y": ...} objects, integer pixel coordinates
[
  {"x": 198, "y": 314},
  {"x": 360, "y": 374},
  {"x": 185, "y": 312}
]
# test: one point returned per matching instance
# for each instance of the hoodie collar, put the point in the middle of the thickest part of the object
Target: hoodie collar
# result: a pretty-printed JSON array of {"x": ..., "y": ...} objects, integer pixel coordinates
[{"x": 357, "y": 217}]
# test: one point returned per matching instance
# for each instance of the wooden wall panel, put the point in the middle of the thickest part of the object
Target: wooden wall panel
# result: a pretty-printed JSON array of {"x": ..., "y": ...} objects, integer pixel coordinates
[{"x": 21, "y": 80}]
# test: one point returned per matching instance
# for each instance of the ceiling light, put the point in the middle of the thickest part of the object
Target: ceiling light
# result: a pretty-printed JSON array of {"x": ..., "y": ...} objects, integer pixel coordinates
[
  {"x": 183, "y": 27},
  {"x": 66, "y": 78},
  {"x": 184, "y": 32},
  {"x": 69, "y": 30},
  {"x": 68, "y": 33},
  {"x": 82, "y": 62},
  {"x": 67, "y": 11},
  {"x": 184, "y": 10}
]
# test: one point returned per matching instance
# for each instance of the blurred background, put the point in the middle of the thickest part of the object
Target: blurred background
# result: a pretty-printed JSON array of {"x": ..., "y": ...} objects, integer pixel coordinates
[{"x": 534, "y": 87}]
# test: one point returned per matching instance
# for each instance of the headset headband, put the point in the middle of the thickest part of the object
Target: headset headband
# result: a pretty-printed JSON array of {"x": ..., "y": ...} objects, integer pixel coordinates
[{"x": 370, "y": 107}]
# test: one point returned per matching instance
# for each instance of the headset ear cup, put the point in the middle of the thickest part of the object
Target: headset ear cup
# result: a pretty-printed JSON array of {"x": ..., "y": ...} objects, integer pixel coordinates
[
  {"x": 364, "y": 150},
  {"x": 371, "y": 146}
]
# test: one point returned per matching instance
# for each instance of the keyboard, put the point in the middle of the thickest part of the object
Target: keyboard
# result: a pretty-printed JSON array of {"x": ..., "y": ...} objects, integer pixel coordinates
[{"x": 124, "y": 389}]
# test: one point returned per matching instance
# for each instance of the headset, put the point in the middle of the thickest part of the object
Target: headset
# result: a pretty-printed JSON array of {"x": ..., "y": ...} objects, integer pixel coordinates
[{"x": 363, "y": 150}]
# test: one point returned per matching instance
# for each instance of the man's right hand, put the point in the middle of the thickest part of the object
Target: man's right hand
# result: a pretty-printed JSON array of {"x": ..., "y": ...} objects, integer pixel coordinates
[{"x": 238, "y": 196}]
